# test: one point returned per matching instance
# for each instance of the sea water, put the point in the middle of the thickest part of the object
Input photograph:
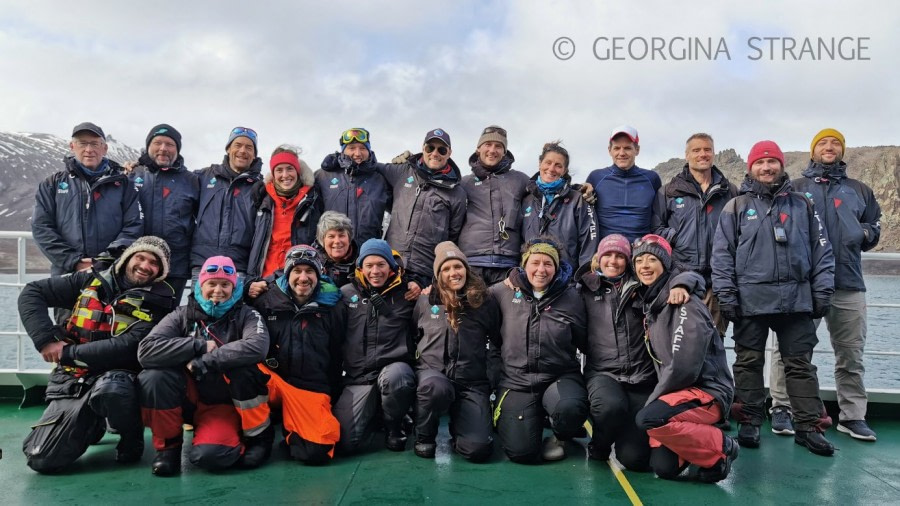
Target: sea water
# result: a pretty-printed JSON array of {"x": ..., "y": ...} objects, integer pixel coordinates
[{"x": 881, "y": 371}]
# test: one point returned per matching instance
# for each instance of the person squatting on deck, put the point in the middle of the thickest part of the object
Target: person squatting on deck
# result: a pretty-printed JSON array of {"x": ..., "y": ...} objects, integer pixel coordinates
[
  {"x": 192, "y": 362},
  {"x": 95, "y": 351},
  {"x": 618, "y": 370},
  {"x": 543, "y": 323},
  {"x": 694, "y": 389},
  {"x": 302, "y": 371},
  {"x": 378, "y": 350},
  {"x": 773, "y": 268},
  {"x": 455, "y": 322}
]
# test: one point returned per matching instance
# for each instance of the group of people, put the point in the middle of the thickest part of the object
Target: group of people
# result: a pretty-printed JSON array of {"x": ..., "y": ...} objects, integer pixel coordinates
[{"x": 474, "y": 302}]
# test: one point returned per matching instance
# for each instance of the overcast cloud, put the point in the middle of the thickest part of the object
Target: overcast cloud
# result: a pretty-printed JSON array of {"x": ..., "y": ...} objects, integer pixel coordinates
[{"x": 301, "y": 72}]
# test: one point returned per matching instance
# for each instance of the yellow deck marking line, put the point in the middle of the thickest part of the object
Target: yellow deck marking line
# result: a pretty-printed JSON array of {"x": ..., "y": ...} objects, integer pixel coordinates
[{"x": 617, "y": 472}]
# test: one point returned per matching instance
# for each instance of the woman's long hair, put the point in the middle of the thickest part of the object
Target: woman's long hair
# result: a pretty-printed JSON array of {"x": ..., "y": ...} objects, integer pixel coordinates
[{"x": 472, "y": 294}]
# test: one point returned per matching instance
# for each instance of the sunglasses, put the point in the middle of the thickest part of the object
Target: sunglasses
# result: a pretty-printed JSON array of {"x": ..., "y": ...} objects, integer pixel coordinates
[
  {"x": 248, "y": 132},
  {"x": 227, "y": 269},
  {"x": 429, "y": 148},
  {"x": 303, "y": 253},
  {"x": 494, "y": 130},
  {"x": 360, "y": 135}
]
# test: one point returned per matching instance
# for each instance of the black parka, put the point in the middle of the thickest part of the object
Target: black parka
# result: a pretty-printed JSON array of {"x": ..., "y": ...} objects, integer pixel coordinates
[{"x": 356, "y": 190}]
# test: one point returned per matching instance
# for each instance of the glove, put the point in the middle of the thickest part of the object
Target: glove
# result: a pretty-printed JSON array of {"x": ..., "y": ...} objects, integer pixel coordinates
[
  {"x": 402, "y": 157},
  {"x": 731, "y": 312},
  {"x": 198, "y": 369},
  {"x": 820, "y": 308},
  {"x": 587, "y": 193}
]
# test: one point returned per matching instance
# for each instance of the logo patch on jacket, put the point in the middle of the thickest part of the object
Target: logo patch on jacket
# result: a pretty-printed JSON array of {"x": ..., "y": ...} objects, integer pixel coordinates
[
  {"x": 709, "y": 208},
  {"x": 409, "y": 182},
  {"x": 434, "y": 312},
  {"x": 139, "y": 181},
  {"x": 517, "y": 297},
  {"x": 837, "y": 203},
  {"x": 62, "y": 187},
  {"x": 808, "y": 195},
  {"x": 751, "y": 214},
  {"x": 528, "y": 211},
  {"x": 679, "y": 203},
  {"x": 97, "y": 196},
  {"x": 783, "y": 217},
  {"x": 166, "y": 191},
  {"x": 212, "y": 183},
  {"x": 334, "y": 182}
]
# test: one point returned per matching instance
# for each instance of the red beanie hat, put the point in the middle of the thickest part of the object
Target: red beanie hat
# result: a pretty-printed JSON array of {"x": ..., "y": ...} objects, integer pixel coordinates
[{"x": 764, "y": 149}]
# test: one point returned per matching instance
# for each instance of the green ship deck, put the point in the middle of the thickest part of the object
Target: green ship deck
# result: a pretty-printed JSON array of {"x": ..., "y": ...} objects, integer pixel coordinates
[{"x": 779, "y": 472}]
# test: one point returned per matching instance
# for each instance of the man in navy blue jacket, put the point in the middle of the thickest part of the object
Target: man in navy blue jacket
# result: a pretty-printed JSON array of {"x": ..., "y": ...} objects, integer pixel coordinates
[{"x": 625, "y": 192}]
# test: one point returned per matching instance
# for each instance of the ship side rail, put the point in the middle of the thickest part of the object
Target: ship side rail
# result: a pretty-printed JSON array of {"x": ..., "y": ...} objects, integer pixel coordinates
[{"x": 32, "y": 379}]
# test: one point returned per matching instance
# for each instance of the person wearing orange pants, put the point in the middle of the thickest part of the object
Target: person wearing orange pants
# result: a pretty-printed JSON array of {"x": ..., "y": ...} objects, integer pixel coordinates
[
  {"x": 302, "y": 368},
  {"x": 695, "y": 387}
]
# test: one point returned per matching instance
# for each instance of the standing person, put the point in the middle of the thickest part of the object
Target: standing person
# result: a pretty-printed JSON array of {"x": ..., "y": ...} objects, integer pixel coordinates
[
  {"x": 852, "y": 218},
  {"x": 618, "y": 370},
  {"x": 542, "y": 325},
  {"x": 289, "y": 206},
  {"x": 695, "y": 390},
  {"x": 95, "y": 352},
  {"x": 494, "y": 209},
  {"x": 189, "y": 359},
  {"x": 169, "y": 194},
  {"x": 555, "y": 207},
  {"x": 625, "y": 192},
  {"x": 378, "y": 350},
  {"x": 455, "y": 322},
  {"x": 87, "y": 210},
  {"x": 686, "y": 213},
  {"x": 429, "y": 206},
  {"x": 334, "y": 241},
  {"x": 773, "y": 268},
  {"x": 302, "y": 371},
  {"x": 226, "y": 218},
  {"x": 349, "y": 184}
]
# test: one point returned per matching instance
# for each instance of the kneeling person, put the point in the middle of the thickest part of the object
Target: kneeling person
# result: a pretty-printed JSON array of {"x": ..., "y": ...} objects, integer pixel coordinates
[
  {"x": 303, "y": 369},
  {"x": 378, "y": 350},
  {"x": 191, "y": 360},
  {"x": 95, "y": 352}
]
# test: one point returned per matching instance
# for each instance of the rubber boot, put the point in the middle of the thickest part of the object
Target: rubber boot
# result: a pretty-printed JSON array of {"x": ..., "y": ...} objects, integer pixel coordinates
[
  {"x": 167, "y": 462},
  {"x": 257, "y": 449}
]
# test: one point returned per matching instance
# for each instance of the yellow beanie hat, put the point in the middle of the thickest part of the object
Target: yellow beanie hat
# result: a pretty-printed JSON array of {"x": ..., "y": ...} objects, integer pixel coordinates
[{"x": 828, "y": 132}]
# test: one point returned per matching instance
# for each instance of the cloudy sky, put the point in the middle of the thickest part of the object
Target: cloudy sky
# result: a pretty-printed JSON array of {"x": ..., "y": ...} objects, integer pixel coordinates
[{"x": 301, "y": 72}]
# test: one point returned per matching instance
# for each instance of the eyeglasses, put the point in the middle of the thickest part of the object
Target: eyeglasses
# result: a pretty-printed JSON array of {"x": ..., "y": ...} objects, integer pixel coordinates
[
  {"x": 494, "y": 130},
  {"x": 89, "y": 144},
  {"x": 360, "y": 135},
  {"x": 429, "y": 148},
  {"x": 227, "y": 269},
  {"x": 247, "y": 132}
]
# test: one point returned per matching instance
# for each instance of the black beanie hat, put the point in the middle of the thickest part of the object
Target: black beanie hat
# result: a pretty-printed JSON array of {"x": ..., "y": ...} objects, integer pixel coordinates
[{"x": 166, "y": 131}]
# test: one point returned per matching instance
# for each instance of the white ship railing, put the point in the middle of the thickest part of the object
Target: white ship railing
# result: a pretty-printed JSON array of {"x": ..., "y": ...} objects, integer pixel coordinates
[{"x": 21, "y": 375}]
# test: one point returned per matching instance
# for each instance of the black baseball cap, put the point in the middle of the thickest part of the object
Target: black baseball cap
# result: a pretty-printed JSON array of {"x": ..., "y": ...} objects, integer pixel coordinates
[
  {"x": 438, "y": 133},
  {"x": 87, "y": 126}
]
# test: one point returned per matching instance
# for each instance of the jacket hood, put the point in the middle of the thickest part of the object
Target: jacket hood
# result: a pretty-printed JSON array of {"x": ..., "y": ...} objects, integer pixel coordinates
[
  {"x": 519, "y": 280},
  {"x": 112, "y": 168},
  {"x": 151, "y": 165},
  {"x": 754, "y": 187},
  {"x": 338, "y": 162},
  {"x": 306, "y": 175},
  {"x": 683, "y": 183},
  {"x": 449, "y": 180},
  {"x": 818, "y": 170},
  {"x": 481, "y": 172},
  {"x": 224, "y": 170}
]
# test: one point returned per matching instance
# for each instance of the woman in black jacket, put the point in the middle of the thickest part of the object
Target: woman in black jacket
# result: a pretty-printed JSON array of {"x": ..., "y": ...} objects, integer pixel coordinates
[
  {"x": 543, "y": 322},
  {"x": 618, "y": 371},
  {"x": 454, "y": 322}
]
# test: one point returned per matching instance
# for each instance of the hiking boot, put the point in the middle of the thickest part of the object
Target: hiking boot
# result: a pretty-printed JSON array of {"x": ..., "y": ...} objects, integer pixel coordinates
[
  {"x": 748, "y": 435},
  {"x": 595, "y": 452},
  {"x": 394, "y": 437},
  {"x": 130, "y": 448},
  {"x": 553, "y": 449},
  {"x": 858, "y": 429},
  {"x": 425, "y": 450},
  {"x": 167, "y": 462},
  {"x": 257, "y": 449},
  {"x": 719, "y": 471},
  {"x": 815, "y": 442},
  {"x": 782, "y": 421}
]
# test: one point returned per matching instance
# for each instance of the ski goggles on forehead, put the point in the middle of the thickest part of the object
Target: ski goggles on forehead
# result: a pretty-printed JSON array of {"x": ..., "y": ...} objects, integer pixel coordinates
[
  {"x": 360, "y": 135},
  {"x": 429, "y": 148},
  {"x": 244, "y": 131},
  {"x": 227, "y": 269},
  {"x": 494, "y": 130}
]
